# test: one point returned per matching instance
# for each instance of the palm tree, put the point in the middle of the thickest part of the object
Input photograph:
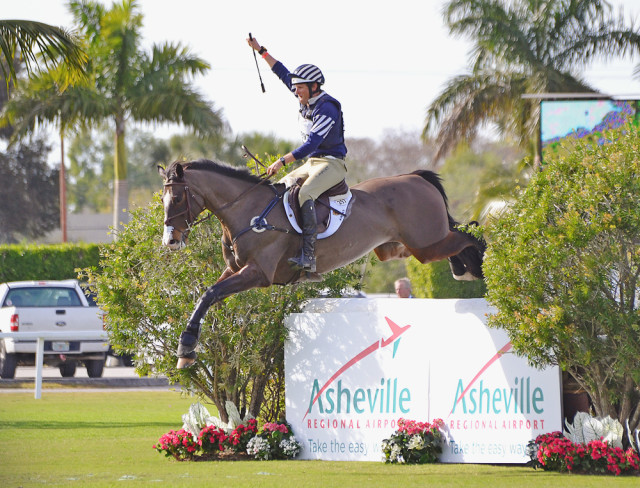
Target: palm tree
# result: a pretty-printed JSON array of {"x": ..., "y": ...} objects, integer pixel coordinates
[
  {"x": 124, "y": 83},
  {"x": 34, "y": 42},
  {"x": 521, "y": 47}
]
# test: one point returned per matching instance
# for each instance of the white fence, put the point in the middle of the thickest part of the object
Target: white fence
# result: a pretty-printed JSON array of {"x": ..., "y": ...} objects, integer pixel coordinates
[{"x": 40, "y": 337}]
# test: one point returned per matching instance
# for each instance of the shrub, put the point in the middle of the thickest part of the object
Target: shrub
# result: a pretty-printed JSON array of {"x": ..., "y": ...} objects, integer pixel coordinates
[
  {"x": 414, "y": 442},
  {"x": 562, "y": 271},
  {"x": 554, "y": 452}
]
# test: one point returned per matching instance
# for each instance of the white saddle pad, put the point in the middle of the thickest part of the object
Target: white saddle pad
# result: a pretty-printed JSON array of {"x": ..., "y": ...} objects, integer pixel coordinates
[{"x": 338, "y": 202}]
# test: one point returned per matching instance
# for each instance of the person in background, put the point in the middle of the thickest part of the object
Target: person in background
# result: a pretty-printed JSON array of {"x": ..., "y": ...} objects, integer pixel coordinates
[
  {"x": 403, "y": 288},
  {"x": 322, "y": 131}
]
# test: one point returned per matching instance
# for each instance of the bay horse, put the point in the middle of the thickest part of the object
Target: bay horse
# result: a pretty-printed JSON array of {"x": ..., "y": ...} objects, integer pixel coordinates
[{"x": 396, "y": 217}]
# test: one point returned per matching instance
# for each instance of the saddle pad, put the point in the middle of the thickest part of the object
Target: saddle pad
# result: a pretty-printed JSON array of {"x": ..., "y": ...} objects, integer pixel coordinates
[{"x": 340, "y": 209}]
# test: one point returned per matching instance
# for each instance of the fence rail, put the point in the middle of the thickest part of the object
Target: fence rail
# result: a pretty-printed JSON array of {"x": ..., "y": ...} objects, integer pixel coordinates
[{"x": 40, "y": 337}]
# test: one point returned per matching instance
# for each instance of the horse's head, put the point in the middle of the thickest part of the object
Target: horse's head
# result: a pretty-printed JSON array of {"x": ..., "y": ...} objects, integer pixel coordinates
[{"x": 181, "y": 206}]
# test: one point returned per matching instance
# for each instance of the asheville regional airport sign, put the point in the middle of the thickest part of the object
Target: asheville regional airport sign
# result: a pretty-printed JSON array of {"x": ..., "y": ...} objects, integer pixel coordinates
[{"x": 355, "y": 366}]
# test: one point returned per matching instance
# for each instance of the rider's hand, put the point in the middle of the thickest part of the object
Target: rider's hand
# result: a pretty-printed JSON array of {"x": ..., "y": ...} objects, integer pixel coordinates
[
  {"x": 274, "y": 168},
  {"x": 254, "y": 44}
]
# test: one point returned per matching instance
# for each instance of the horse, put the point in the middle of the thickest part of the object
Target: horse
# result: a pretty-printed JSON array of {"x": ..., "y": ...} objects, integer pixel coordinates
[{"x": 396, "y": 217}]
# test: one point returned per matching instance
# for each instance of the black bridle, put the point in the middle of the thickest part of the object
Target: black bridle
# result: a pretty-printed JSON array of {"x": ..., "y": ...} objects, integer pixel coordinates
[{"x": 190, "y": 215}]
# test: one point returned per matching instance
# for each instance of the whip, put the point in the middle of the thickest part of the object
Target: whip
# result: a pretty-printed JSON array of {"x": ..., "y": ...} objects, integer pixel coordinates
[{"x": 257, "y": 67}]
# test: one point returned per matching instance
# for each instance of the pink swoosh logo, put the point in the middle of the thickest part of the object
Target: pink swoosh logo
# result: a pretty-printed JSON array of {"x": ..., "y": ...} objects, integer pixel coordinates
[
  {"x": 396, "y": 332},
  {"x": 502, "y": 351}
]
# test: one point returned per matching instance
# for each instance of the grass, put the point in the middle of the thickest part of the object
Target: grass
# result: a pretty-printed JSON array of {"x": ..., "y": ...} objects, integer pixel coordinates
[{"x": 105, "y": 439}]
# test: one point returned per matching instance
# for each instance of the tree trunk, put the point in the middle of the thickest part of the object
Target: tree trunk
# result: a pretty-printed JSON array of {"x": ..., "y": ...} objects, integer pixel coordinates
[
  {"x": 120, "y": 203},
  {"x": 120, "y": 184}
]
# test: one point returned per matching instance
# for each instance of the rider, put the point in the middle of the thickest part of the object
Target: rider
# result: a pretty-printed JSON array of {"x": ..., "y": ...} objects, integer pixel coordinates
[{"x": 323, "y": 142}]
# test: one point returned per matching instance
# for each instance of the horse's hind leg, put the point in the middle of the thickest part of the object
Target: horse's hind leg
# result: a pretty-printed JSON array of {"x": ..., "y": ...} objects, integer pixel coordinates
[
  {"x": 463, "y": 250},
  {"x": 251, "y": 276}
]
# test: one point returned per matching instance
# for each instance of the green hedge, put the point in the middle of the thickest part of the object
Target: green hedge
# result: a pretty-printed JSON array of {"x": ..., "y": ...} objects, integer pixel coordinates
[
  {"x": 434, "y": 280},
  {"x": 46, "y": 262}
]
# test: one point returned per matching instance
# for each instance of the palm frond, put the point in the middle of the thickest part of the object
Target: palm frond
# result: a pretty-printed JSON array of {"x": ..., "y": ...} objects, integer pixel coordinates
[{"x": 39, "y": 43}]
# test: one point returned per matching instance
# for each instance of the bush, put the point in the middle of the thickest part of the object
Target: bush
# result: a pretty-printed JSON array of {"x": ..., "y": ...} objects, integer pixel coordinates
[
  {"x": 149, "y": 292},
  {"x": 562, "y": 271},
  {"x": 414, "y": 442},
  {"x": 46, "y": 262}
]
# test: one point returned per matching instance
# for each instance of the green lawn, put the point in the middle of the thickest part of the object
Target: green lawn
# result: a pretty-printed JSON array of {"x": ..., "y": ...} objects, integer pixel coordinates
[{"x": 105, "y": 439}]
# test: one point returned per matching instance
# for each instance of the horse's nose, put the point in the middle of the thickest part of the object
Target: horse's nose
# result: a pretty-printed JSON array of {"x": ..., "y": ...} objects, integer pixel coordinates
[{"x": 168, "y": 239}]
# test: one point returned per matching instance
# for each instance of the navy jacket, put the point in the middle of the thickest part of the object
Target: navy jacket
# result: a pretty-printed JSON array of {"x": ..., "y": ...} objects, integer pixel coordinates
[{"x": 322, "y": 125}]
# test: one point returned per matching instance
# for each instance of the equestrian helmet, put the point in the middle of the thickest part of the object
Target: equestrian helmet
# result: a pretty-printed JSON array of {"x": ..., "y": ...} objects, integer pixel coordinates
[{"x": 307, "y": 73}]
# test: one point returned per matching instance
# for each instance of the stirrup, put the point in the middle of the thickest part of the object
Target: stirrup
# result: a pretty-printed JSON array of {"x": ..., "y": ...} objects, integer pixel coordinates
[{"x": 303, "y": 264}]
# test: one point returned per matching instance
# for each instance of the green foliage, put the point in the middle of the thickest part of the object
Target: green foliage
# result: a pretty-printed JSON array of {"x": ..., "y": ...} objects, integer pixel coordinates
[
  {"x": 519, "y": 47},
  {"x": 30, "y": 192},
  {"x": 40, "y": 44},
  {"x": 562, "y": 270},
  {"x": 149, "y": 293},
  {"x": 434, "y": 280},
  {"x": 90, "y": 171},
  {"x": 473, "y": 177},
  {"x": 46, "y": 262},
  {"x": 381, "y": 275}
]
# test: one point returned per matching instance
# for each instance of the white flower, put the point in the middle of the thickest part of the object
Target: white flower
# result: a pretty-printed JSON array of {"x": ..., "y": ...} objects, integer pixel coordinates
[
  {"x": 396, "y": 454},
  {"x": 259, "y": 448},
  {"x": 290, "y": 447},
  {"x": 416, "y": 442}
]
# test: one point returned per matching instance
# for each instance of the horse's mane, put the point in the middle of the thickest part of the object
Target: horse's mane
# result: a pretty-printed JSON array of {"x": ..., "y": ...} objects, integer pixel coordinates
[{"x": 221, "y": 168}]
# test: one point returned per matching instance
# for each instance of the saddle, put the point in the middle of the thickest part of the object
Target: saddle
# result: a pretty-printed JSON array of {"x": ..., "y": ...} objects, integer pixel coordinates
[{"x": 323, "y": 204}]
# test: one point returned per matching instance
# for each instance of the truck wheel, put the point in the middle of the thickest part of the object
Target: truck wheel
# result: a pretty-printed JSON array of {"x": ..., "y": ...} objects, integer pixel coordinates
[
  {"x": 68, "y": 369},
  {"x": 94, "y": 367},
  {"x": 8, "y": 363}
]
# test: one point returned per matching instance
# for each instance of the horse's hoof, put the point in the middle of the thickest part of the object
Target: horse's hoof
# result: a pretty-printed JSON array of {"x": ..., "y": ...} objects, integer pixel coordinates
[{"x": 184, "y": 363}]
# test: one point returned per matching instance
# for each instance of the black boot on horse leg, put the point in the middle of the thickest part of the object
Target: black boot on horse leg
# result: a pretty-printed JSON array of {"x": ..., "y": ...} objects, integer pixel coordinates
[
  {"x": 189, "y": 337},
  {"x": 307, "y": 259},
  {"x": 187, "y": 345}
]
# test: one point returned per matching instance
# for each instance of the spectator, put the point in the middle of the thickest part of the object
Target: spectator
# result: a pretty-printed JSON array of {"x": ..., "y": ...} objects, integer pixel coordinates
[{"x": 403, "y": 288}]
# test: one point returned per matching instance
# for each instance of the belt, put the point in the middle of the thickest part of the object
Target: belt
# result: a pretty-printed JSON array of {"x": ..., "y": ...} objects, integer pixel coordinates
[{"x": 327, "y": 156}]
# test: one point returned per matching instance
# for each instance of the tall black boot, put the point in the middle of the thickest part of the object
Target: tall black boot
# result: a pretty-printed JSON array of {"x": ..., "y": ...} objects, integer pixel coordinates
[{"x": 307, "y": 259}]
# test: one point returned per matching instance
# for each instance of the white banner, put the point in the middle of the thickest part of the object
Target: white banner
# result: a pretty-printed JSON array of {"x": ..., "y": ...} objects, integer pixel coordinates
[{"x": 355, "y": 366}]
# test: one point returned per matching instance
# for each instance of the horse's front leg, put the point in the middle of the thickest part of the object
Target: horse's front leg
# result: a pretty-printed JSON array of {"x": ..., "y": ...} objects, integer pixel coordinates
[{"x": 229, "y": 283}]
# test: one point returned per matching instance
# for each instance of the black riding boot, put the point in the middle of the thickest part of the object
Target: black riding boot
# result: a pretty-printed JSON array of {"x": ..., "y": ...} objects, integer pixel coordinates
[{"x": 307, "y": 259}]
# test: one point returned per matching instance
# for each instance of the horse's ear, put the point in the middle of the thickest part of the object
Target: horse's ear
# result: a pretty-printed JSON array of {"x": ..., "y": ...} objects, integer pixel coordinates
[
  {"x": 179, "y": 171},
  {"x": 162, "y": 172}
]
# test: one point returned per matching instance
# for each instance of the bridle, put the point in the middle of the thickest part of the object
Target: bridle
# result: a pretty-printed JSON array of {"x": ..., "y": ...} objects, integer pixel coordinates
[{"x": 190, "y": 215}]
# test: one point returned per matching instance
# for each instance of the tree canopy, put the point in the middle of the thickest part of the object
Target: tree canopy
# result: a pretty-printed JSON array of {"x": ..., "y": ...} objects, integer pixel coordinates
[
  {"x": 30, "y": 201},
  {"x": 36, "y": 44},
  {"x": 124, "y": 83},
  {"x": 521, "y": 47}
]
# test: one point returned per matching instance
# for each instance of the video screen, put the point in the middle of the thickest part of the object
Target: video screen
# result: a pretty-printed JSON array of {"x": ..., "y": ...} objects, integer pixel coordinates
[{"x": 564, "y": 121}]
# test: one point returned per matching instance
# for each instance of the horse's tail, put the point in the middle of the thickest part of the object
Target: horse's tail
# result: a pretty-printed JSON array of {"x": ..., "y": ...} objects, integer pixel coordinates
[{"x": 470, "y": 259}]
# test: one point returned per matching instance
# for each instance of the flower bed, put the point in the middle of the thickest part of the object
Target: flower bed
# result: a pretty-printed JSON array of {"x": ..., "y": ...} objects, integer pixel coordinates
[
  {"x": 273, "y": 441},
  {"x": 554, "y": 452}
]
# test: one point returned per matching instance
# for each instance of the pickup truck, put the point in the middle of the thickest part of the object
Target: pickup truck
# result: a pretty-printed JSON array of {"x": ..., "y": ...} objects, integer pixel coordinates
[{"x": 47, "y": 306}]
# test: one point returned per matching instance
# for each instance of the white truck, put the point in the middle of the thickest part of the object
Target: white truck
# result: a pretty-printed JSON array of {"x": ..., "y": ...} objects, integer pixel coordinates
[{"x": 44, "y": 306}]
